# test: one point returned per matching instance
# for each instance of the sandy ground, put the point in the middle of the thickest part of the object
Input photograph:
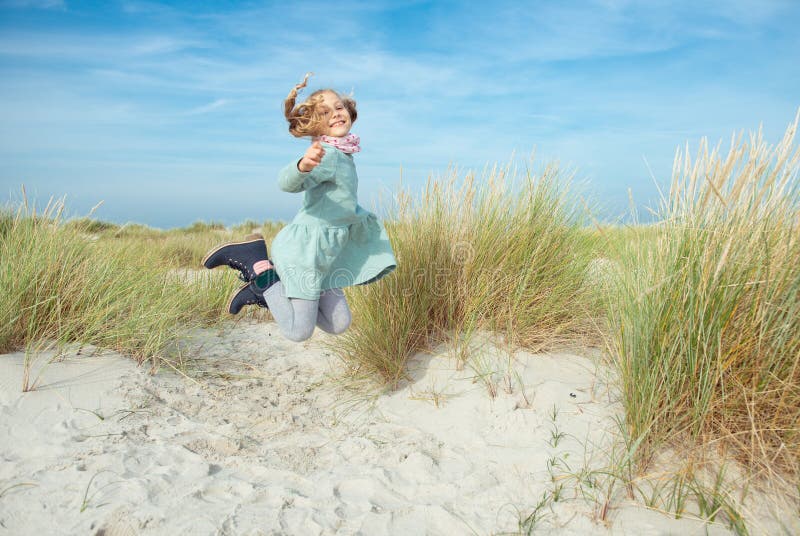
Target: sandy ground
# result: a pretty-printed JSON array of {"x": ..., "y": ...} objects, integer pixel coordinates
[{"x": 270, "y": 440}]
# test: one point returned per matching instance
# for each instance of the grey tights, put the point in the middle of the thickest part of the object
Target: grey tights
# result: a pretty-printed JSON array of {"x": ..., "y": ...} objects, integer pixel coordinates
[{"x": 297, "y": 318}]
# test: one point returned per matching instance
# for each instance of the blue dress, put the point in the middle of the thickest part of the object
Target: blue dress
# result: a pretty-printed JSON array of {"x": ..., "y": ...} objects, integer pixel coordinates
[{"x": 332, "y": 242}]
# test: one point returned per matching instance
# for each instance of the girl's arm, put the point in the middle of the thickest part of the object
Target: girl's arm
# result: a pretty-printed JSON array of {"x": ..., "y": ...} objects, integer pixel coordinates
[{"x": 321, "y": 168}]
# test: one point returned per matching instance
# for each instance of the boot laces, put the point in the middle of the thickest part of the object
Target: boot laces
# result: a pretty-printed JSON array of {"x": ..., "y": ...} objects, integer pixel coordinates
[{"x": 245, "y": 272}]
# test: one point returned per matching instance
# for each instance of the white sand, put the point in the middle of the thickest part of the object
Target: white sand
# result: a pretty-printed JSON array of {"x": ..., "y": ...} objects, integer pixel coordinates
[{"x": 268, "y": 441}]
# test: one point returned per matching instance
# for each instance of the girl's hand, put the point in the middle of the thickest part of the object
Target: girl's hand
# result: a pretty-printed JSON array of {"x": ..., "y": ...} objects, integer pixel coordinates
[
  {"x": 262, "y": 266},
  {"x": 312, "y": 158}
]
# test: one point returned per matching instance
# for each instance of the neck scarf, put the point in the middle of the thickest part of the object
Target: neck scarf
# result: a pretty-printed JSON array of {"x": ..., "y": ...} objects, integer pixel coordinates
[{"x": 348, "y": 144}]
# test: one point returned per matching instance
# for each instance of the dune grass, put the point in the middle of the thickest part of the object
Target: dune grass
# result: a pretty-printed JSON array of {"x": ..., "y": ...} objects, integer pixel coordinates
[
  {"x": 705, "y": 320},
  {"x": 503, "y": 252},
  {"x": 177, "y": 248},
  {"x": 87, "y": 282}
]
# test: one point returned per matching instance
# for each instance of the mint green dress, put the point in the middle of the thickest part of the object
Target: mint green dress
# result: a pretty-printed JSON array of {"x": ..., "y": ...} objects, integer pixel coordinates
[{"x": 332, "y": 242}]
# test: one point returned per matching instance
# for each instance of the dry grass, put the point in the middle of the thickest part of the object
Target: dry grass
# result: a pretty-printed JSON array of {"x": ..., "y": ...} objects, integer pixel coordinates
[
  {"x": 705, "y": 324},
  {"x": 132, "y": 289},
  {"x": 503, "y": 252}
]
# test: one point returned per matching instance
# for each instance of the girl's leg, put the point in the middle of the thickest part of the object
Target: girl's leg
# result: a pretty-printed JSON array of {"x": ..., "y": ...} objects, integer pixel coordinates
[
  {"x": 334, "y": 314},
  {"x": 295, "y": 317}
]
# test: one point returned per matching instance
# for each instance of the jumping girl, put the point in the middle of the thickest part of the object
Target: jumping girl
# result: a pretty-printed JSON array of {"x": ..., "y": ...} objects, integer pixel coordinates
[{"x": 332, "y": 242}]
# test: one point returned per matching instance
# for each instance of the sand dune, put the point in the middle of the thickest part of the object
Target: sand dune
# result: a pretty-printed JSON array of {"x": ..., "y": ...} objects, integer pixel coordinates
[{"x": 269, "y": 439}]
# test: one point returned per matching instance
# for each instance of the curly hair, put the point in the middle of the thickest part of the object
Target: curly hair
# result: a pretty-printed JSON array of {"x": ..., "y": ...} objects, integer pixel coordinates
[{"x": 308, "y": 118}]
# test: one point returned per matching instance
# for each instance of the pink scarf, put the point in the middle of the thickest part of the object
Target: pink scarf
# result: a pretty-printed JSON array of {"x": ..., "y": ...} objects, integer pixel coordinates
[{"x": 348, "y": 144}]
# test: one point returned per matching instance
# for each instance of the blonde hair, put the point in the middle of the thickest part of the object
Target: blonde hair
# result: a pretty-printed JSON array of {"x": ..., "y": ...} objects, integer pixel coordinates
[{"x": 308, "y": 118}]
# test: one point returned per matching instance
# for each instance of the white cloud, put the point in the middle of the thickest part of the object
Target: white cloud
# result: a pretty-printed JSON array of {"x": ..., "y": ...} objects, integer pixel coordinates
[
  {"x": 211, "y": 106},
  {"x": 83, "y": 49},
  {"x": 34, "y": 4}
]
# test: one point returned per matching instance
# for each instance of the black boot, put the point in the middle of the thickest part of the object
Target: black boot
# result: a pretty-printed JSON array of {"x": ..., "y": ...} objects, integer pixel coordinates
[
  {"x": 245, "y": 296},
  {"x": 238, "y": 255},
  {"x": 253, "y": 292}
]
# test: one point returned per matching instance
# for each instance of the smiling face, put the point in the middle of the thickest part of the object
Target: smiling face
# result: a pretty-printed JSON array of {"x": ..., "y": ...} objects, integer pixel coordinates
[{"x": 336, "y": 120}]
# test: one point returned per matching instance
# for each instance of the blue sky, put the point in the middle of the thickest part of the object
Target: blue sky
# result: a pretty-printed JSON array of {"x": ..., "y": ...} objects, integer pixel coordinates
[{"x": 170, "y": 112}]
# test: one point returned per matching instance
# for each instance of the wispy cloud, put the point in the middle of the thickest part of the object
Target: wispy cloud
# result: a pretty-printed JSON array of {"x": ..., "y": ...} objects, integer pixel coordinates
[
  {"x": 191, "y": 90},
  {"x": 88, "y": 49},
  {"x": 33, "y": 4},
  {"x": 211, "y": 106}
]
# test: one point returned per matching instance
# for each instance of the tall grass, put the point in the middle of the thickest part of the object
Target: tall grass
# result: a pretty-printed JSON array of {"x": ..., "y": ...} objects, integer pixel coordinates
[
  {"x": 705, "y": 323},
  {"x": 177, "y": 248},
  {"x": 503, "y": 252},
  {"x": 61, "y": 285}
]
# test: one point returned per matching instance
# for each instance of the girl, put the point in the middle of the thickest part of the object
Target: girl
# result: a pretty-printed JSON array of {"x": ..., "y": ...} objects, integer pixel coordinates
[{"x": 330, "y": 244}]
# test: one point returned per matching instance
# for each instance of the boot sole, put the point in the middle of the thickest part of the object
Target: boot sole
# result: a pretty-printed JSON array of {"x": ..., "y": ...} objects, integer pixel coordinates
[{"x": 226, "y": 244}]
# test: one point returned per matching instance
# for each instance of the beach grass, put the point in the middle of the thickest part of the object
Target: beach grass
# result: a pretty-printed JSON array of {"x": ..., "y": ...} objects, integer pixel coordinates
[
  {"x": 502, "y": 252},
  {"x": 182, "y": 247},
  {"x": 704, "y": 321},
  {"x": 131, "y": 288}
]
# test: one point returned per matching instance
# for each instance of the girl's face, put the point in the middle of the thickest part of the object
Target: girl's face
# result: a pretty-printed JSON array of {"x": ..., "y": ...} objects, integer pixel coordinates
[{"x": 336, "y": 121}]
